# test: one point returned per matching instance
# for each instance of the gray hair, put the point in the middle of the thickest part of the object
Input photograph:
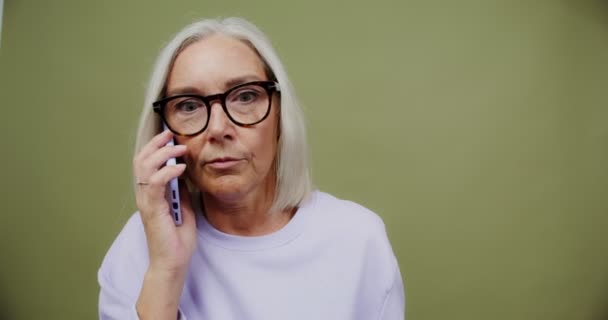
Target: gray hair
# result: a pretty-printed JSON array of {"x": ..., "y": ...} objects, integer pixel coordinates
[{"x": 293, "y": 178}]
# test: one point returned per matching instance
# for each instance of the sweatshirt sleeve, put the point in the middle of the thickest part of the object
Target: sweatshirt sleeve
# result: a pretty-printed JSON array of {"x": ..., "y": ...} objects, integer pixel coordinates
[
  {"x": 114, "y": 305},
  {"x": 381, "y": 293},
  {"x": 394, "y": 303},
  {"x": 121, "y": 273}
]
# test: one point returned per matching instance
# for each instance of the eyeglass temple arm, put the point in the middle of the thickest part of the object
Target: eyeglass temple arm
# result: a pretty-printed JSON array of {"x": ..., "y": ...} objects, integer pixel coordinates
[{"x": 276, "y": 86}]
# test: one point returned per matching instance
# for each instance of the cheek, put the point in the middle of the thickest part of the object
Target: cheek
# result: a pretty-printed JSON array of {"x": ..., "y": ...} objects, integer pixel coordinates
[
  {"x": 265, "y": 153},
  {"x": 266, "y": 148},
  {"x": 192, "y": 153}
]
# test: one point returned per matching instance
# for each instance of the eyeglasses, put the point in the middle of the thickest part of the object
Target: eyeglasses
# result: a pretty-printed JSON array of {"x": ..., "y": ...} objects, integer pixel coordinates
[{"x": 246, "y": 104}]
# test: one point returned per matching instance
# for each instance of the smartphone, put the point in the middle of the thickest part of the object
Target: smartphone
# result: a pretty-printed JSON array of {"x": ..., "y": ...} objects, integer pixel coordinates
[{"x": 173, "y": 190}]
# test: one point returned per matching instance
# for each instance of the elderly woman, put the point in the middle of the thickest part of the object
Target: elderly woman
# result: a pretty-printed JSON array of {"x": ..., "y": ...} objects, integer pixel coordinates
[{"x": 256, "y": 241}]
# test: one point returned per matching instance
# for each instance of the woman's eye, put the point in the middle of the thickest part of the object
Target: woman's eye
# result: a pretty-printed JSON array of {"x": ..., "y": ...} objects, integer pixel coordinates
[
  {"x": 188, "y": 106},
  {"x": 247, "y": 96}
]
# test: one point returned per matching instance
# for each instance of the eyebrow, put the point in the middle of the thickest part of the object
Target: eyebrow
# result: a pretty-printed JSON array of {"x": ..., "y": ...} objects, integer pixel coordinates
[{"x": 230, "y": 83}]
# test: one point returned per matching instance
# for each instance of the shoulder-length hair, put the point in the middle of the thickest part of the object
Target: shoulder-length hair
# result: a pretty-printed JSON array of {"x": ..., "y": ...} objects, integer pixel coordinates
[{"x": 293, "y": 178}]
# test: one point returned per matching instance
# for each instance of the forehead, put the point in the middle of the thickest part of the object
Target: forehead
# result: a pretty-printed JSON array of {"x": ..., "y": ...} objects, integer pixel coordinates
[{"x": 213, "y": 64}]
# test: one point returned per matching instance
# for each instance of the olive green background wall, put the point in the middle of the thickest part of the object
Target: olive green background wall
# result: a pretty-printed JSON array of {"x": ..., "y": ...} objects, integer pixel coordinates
[{"x": 478, "y": 130}]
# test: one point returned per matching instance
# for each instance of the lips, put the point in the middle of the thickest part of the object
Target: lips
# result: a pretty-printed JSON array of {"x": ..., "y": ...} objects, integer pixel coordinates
[{"x": 223, "y": 163}]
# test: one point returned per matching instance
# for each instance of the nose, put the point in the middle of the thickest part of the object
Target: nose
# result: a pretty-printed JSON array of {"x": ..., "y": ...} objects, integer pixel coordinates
[{"x": 219, "y": 127}]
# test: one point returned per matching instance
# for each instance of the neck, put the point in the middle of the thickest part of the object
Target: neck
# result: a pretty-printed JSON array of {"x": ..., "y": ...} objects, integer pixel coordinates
[{"x": 247, "y": 215}]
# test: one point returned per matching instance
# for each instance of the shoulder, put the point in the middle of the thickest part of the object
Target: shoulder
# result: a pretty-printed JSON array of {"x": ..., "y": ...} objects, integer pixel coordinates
[
  {"x": 345, "y": 214},
  {"x": 351, "y": 227},
  {"x": 130, "y": 239},
  {"x": 344, "y": 221}
]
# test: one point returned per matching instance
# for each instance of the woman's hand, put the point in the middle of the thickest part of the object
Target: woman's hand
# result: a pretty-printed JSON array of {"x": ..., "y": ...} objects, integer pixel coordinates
[{"x": 170, "y": 247}]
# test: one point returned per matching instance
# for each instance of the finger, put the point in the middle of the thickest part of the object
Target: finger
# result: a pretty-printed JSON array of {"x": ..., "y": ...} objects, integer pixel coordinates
[
  {"x": 151, "y": 196},
  {"x": 157, "y": 159},
  {"x": 155, "y": 143},
  {"x": 159, "y": 180}
]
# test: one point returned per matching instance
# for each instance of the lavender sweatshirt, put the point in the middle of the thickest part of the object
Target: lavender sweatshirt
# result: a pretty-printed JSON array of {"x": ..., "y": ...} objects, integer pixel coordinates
[{"x": 332, "y": 261}]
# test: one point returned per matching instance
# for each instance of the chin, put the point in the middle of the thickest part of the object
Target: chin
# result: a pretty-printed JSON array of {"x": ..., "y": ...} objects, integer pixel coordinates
[{"x": 226, "y": 188}]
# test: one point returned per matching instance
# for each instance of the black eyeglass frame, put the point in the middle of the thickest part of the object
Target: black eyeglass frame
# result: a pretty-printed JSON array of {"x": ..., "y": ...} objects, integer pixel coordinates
[{"x": 270, "y": 87}]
